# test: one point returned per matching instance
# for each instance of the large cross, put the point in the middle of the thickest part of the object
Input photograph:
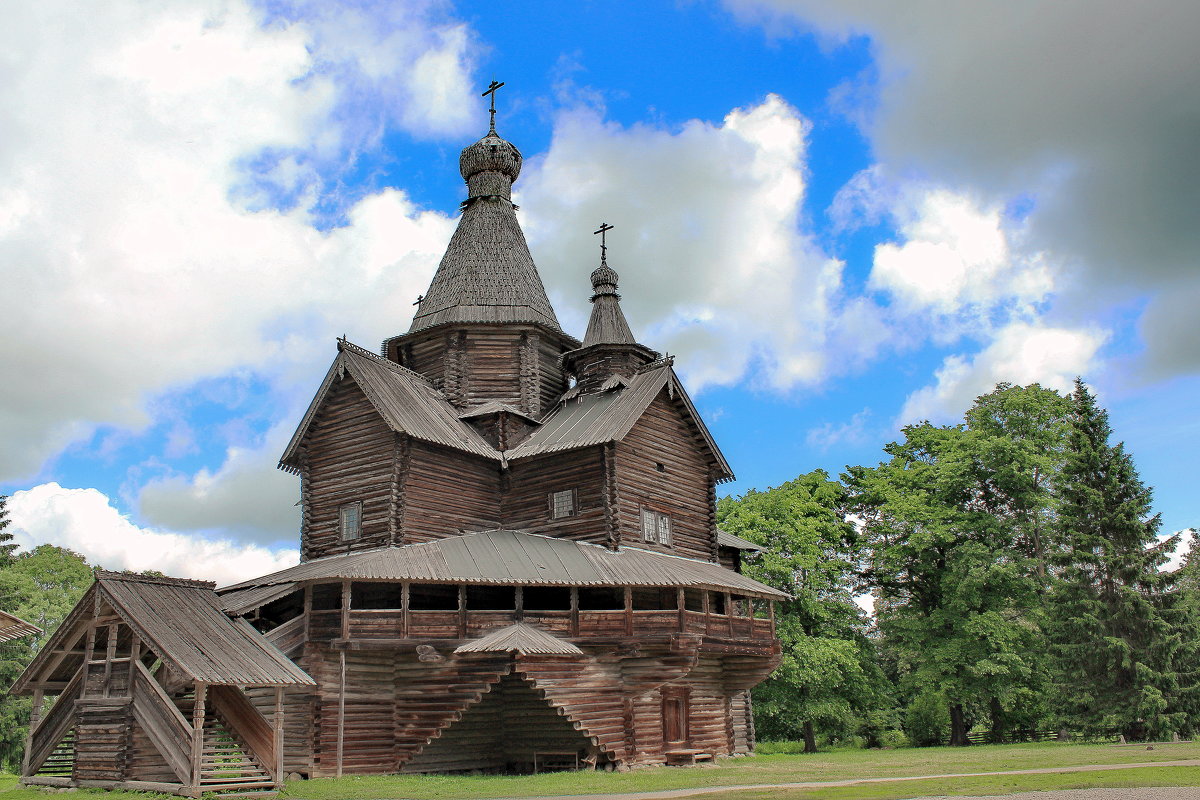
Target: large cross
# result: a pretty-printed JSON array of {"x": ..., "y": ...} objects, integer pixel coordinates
[
  {"x": 604, "y": 229},
  {"x": 492, "y": 91}
]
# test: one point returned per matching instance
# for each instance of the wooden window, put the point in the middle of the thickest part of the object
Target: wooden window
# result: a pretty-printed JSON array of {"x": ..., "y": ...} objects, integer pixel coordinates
[
  {"x": 562, "y": 504},
  {"x": 350, "y": 521},
  {"x": 656, "y": 527}
]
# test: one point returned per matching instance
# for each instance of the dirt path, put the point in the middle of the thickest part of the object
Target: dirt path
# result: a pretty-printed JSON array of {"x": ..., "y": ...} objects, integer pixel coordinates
[{"x": 1134, "y": 794}]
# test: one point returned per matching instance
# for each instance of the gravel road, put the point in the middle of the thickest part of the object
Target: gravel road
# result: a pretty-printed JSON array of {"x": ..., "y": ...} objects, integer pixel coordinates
[{"x": 1161, "y": 793}]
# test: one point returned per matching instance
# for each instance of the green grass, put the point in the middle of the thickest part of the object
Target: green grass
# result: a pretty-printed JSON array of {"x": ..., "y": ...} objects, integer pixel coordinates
[{"x": 772, "y": 769}]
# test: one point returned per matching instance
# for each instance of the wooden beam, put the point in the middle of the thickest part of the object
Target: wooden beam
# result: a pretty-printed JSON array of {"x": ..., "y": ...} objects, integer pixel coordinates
[
  {"x": 341, "y": 729},
  {"x": 462, "y": 611},
  {"x": 198, "y": 732},
  {"x": 574, "y": 610},
  {"x": 404, "y": 610},
  {"x": 629, "y": 611},
  {"x": 35, "y": 715},
  {"x": 681, "y": 604},
  {"x": 109, "y": 655},
  {"x": 278, "y": 721}
]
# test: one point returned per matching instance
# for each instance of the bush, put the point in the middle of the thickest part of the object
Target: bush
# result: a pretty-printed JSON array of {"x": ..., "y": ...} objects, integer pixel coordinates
[{"x": 927, "y": 720}]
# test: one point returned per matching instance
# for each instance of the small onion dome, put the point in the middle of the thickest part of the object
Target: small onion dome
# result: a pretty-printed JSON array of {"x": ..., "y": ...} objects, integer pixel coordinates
[
  {"x": 604, "y": 279},
  {"x": 490, "y": 154}
]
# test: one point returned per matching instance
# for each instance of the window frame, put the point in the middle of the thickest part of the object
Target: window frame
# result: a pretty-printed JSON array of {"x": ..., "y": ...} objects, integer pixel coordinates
[
  {"x": 657, "y": 527},
  {"x": 573, "y": 494},
  {"x": 343, "y": 509}
]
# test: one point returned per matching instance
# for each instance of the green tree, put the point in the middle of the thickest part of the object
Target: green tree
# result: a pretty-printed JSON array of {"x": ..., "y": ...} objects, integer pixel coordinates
[
  {"x": 956, "y": 527},
  {"x": 42, "y": 586},
  {"x": 827, "y": 678},
  {"x": 7, "y": 545},
  {"x": 1114, "y": 641}
]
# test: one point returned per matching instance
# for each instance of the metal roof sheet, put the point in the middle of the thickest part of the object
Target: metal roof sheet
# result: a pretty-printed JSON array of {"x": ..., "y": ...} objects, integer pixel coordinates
[
  {"x": 404, "y": 399},
  {"x": 12, "y": 627},
  {"x": 524, "y": 639},
  {"x": 183, "y": 622},
  {"x": 593, "y": 418},
  {"x": 255, "y": 597},
  {"x": 517, "y": 558},
  {"x": 726, "y": 539}
]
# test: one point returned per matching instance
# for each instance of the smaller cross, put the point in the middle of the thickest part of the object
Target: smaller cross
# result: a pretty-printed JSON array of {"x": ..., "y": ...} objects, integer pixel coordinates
[
  {"x": 420, "y": 299},
  {"x": 492, "y": 91},
  {"x": 604, "y": 229}
]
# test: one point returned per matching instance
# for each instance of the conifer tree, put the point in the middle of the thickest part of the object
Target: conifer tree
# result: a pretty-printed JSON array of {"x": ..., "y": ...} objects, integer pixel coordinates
[
  {"x": 7, "y": 545},
  {"x": 1115, "y": 647}
]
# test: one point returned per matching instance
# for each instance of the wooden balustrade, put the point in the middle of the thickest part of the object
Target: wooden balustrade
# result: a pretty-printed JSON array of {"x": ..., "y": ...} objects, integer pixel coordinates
[
  {"x": 167, "y": 728},
  {"x": 54, "y": 725}
]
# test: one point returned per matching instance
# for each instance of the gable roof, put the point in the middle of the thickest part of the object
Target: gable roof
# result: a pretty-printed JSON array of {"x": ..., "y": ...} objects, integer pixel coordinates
[
  {"x": 726, "y": 539},
  {"x": 12, "y": 627},
  {"x": 595, "y": 418},
  {"x": 516, "y": 557},
  {"x": 182, "y": 622},
  {"x": 521, "y": 638},
  {"x": 405, "y": 400}
]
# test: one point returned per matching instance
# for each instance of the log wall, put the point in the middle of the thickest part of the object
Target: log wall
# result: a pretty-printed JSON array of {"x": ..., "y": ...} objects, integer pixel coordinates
[
  {"x": 446, "y": 493},
  {"x": 349, "y": 458},
  {"x": 525, "y": 504},
  {"x": 681, "y": 489}
]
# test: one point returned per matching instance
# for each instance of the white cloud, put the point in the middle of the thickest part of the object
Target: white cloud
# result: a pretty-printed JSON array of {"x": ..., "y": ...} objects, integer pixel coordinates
[
  {"x": 1022, "y": 353},
  {"x": 1087, "y": 109},
  {"x": 247, "y": 496},
  {"x": 130, "y": 266},
  {"x": 713, "y": 265},
  {"x": 852, "y": 432},
  {"x": 85, "y": 521}
]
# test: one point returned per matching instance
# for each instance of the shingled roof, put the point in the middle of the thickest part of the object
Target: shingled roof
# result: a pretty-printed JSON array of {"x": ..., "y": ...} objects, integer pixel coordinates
[
  {"x": 520, "y": 638},
  {"x": 487, "y": 273},
  {"x": 182, "y": 622},
  {"x": 405, "y": 400},
  {"x": 504, "y": 557}
]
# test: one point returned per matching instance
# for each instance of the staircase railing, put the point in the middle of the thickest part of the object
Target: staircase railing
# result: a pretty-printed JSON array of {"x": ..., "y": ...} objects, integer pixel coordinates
[
  {"x": 248, "y": 723},
  {"x": 54, "y": 726},
  {"x": 164, "y": 724}
]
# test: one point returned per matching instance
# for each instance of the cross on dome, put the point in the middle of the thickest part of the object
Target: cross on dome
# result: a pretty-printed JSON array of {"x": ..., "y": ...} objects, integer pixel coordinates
[{"x": 491, "y": 90}]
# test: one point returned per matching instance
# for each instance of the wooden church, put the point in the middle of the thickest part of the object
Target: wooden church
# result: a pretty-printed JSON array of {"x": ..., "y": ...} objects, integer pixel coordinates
[{"x": 510, "y": 561}]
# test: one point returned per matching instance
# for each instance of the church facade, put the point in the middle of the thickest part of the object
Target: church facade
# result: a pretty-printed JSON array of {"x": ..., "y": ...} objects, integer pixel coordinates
[{"x": 510, "y": 561}]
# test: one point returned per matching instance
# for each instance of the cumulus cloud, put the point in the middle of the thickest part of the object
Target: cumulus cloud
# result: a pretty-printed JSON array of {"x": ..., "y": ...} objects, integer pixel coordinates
[
  {"x": 1089, "y": 108},
  {"x": 1021, "y": 353},
  {"x": 852, "y": 432},
  {"x": 713, "y": 264},
  {"x": 247, "y": 496},
  {"x": 124, "y": 228},
  {"x": 85, "y": 521}
]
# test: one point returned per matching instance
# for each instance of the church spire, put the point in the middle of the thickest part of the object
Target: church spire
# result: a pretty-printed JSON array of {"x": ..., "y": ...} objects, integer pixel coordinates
[{"x": 487, "y": 274}]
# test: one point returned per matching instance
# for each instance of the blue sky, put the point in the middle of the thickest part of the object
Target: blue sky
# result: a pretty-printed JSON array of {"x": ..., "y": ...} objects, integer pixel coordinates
[{"x": 840, "y": 216}]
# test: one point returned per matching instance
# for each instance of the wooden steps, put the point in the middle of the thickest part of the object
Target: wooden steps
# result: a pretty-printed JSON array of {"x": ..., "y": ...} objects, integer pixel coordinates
[{"x": 61, "y": 761}]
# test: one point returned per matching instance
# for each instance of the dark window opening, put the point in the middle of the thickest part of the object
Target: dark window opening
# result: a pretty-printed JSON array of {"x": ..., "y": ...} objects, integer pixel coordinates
[
  {"x": 601, "y": 598},
  {"x": 376, "y": 596},
  {"x": 327, "y": 597},
  {"x": 277, "y": 612},
  {"x": 432, "y": 597},
  {"x": 491, "y": 598},
  {"x": 661, "y": 467},
  {"x": 716, "y": 602},
  {"x": 693, "y": 600},
  {"x": 547, "y": 598},
  {"x": 654, "y": 599}
]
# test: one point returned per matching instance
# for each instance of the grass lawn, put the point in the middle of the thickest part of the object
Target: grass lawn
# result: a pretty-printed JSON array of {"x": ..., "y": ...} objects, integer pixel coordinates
[{"x": 769, "y": 769}]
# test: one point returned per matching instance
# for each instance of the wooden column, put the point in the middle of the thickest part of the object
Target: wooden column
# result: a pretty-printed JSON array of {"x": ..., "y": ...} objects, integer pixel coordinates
[
  {"x": 345, "y": 609},
  {"x": 110, "y": 653},
  {"x": 404, "y": 610},
  {"x": 729, "y": 612},
  {"x": 35, "y": 716},
  {"x": 278, "y": 721},
  {"x": 682, "y": 606},
  {"x": 462, "y": 611},
  {"x": 628, "y": 611},
  {"x": 574, "y": 610},
  {"x": 341, "y": 740},
  {"x": 198, "y": 734},
  {"x": 308, "y": 613},
  {"x": 519, "y": 603},
  {"x": 707, "y": 611}
]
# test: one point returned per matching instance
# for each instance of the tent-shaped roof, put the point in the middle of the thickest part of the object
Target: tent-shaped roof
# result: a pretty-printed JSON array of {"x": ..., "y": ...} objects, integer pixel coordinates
[
  {"x": 14, "y": 627},
  {"x": 520, "y": 638},
  {"x": 405, "y": 400},
  {"x": 182, "y": 622},
  {"x": 517, "y": 558},
  {"x": 606, "y": 416}
]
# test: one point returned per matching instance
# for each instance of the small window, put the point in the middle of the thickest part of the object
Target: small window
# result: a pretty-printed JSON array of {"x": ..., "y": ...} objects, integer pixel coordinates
[
  {"x": 656, "y": 527},
  {"x": 562, "y": 504},
  {"x": 649, "y": 526},
  {"x": 661, "y": 467},
  {"x": 350, "y": 521}
]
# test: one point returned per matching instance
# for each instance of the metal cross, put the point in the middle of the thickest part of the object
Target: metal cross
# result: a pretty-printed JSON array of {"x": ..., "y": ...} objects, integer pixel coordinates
[
  {"x": 492, "y": 91},
  {"x": 604, "y": 229},
  {"x": 420, "y": 299}
]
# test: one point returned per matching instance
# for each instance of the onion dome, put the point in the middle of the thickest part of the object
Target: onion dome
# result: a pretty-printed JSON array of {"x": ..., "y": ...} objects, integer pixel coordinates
[
  {"x": 604, "y": 280},
  {"x": 490, "y": 154}
]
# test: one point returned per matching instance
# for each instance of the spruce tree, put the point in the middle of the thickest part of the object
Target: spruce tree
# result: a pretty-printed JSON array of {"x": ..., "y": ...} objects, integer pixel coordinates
[
  {"x": 7, "y": 545},
  {"x": 1116, "y": 650}
]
